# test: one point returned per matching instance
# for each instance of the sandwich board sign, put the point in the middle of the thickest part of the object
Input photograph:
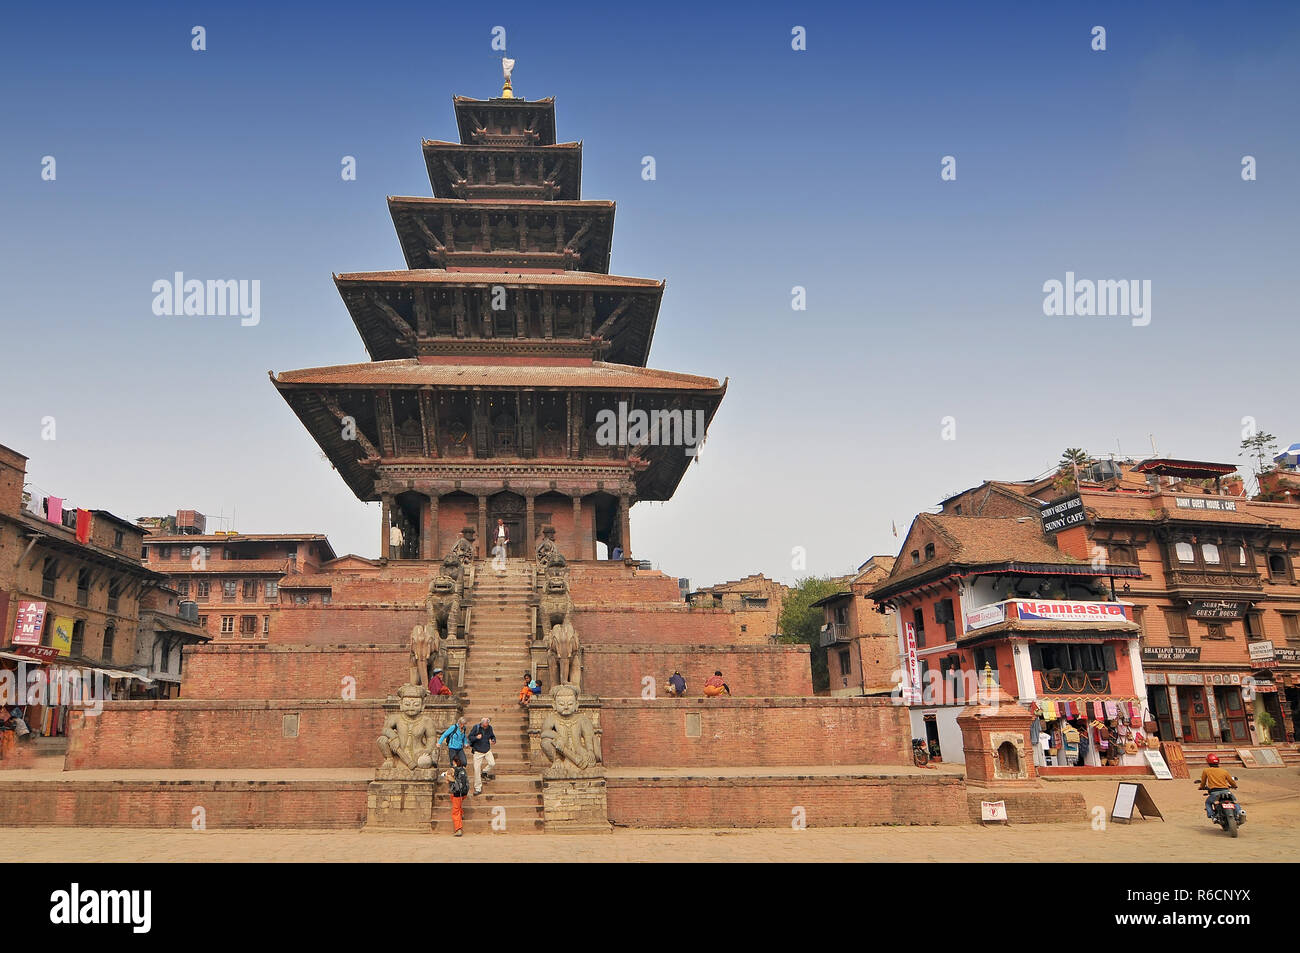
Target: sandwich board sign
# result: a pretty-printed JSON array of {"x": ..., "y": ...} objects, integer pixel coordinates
[
  {"x": 1131, "y": 796},
  {"x": 1158, "y": 766},
  {"x": 993, "y": 812}
]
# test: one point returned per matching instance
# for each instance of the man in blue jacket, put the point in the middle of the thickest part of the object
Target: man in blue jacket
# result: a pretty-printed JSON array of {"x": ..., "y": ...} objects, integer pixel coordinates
[{"x": 454, "y": 739}]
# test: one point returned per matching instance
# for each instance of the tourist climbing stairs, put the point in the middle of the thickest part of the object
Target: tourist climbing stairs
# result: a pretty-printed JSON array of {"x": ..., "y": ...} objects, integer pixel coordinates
[{"x": 499, "y": 636}]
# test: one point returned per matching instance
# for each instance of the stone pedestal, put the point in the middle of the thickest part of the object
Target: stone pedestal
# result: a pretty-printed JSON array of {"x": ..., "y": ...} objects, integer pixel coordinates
[
  {"x": 995, "y": 740},
  {"x": 400, "y": 805},
  {"x": 575, "y": 805}
]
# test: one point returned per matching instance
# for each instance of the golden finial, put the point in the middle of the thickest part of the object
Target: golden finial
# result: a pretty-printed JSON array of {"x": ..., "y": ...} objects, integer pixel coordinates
[{"x": 507, "y": 65}]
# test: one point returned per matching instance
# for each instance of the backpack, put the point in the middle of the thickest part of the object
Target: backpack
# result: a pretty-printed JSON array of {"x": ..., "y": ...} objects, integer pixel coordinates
[{"x": 459, "y": 783}]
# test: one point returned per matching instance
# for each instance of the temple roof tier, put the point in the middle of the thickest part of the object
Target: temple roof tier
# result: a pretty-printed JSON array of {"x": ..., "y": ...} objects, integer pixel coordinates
[
  {"x": 547, "y": 173},
  {"x": 437, "y": 312},
  {"x": 507, "y": 122},
  {"x": 504, "y": 235},
  {"x": 429, "y": 416}
]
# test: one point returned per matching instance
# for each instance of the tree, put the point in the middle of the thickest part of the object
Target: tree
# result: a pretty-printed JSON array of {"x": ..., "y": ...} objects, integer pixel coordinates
[
  {"x": 1066, "y": 468},
  {"x": 800, "y": 622},
  {"x": 1261, "y": 447}
]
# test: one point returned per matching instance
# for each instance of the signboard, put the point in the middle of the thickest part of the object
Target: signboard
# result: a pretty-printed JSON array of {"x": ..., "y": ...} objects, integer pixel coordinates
[
  {"x": 28, "y": 623},
  {"x": 1261, "y": 651},
  {"x": 1186, "y": 678},
  {"x": 1060, "y": 610},
  {"x": 1131, "y": 795},
  {"x": 1223, "y": 678},
  {"x": 1158, "y": 766},
  {"x": 993, "y": 811},
  {"x": 1218, "y": 609},
  {"x": 1156, "y": 678},
  {"x": 61, "y": 639},
  {"x": 912, "y": 695},
  {"x": 42, "y": 653},
  {"x": 985, "y": 615},
  {"x": 1247, "y": 757},
  {"x": 1205, "y": 503},
  {"x": 1062, "y": 514},
  {"x": 1269, "y": 757},
  {"x": 1285, "y": 654},
  {"x": 1170, "y": 653}
]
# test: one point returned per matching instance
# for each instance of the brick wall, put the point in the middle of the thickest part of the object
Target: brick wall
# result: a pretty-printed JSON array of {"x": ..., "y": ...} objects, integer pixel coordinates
[
  {"x": 1033, "y": 807},
  {"x": 267, "y": 672},
  {"x": 615, "y": 671},
  {"x": 230, "y": 734},
  {"x": 749, "y": 731},
  {"x": 678, "y": 624},
  {"x": 171, "y": 804},
  {"x": 615, "y": 584},
  {"x": 846, "y": 801}
]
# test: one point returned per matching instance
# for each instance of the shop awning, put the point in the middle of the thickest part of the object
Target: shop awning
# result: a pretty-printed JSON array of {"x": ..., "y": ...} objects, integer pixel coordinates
[
  {"x": 15, "y": 657},
  {"x": 117, "y": 673}
]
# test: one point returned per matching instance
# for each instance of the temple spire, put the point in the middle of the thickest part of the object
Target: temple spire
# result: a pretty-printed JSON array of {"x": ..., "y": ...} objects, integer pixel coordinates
[{"x": 507, "y": 66}]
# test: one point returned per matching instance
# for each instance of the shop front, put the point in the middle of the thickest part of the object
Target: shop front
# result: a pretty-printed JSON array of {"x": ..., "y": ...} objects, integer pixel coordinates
[{"x": 1202, "y": 707}]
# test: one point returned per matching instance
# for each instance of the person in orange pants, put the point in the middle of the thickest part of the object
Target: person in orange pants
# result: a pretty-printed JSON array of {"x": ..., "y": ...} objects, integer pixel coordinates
[
  {"x": 457, "y": 787},
  {"x": 715, "y": 686}
]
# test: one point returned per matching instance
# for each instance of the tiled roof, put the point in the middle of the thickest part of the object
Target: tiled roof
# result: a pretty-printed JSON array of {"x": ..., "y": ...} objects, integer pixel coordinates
[
  {"x": 410, "y": 372},
  {"x": 436, "y": 276}
]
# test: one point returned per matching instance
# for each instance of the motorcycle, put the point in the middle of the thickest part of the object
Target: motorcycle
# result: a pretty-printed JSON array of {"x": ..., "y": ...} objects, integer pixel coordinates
[{"x": 1228, "y": 814}]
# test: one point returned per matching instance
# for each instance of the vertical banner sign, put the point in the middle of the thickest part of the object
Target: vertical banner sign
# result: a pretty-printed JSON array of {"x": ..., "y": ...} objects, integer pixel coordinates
[
  {"x": 62, "y": 639},
  {"x": 913, "y": 693},
  {"x": 28, "y": 623}
]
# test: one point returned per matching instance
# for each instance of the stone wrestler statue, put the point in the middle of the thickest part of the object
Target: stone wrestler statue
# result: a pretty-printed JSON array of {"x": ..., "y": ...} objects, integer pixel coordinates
[
  {"x": 409, "y": 734},
  {"x": 568, "y": 738}
]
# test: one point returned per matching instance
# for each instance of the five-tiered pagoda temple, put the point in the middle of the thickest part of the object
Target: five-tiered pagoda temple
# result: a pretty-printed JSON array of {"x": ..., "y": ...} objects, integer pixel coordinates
[{"x": 498, "y": 354}]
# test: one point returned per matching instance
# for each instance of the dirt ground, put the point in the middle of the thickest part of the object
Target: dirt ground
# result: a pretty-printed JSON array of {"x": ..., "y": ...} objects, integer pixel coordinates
[{"x": 1272, "y": 834}]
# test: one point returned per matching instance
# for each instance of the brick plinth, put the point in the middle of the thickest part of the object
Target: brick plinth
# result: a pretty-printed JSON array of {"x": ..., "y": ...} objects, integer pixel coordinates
[
  {"x": 302, "y": 733},
  {"x": 217, "y": 671},
  {"x": 766, "y": 801},
  {"x": 338, "y": 805},
  {"x": 612, "y": 624},
  {"x": 618, "y": 671},
  {"x": 694, "y": 732},
  {"x": 1032, "y": 807}
]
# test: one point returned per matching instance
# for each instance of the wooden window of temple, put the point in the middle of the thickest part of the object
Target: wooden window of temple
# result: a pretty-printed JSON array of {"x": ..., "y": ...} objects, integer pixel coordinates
[
  {"x": 78, "y": 637},
  {"x": 1184, "y": 553},
  {"x": 916, "y": 557},
  {"x": 1254, "y": 625},
  {"x": 114, "y": 593},
  {"x": 83, "y": 587},
  {"x": 248, "y": 625},
  {"x": 250, "y": 590},
  {"x": 1210, "y": 553},
  {"x": 118, "y": 539},
  {"x": 929, "y": 550},
  {"x": 266, "y": 625},
  {"x": 1122, "y": 553},
  {"x": 1279, "y": 567},
  {"x": 846, "y": 663},
  {"x": 110, "y": 636},
  {"x": 227, "y": 624},
  {"x": 203, "y": 622},
  {"x": 229, "y": 589},
  {"x": 918, "y": 622},
  {"x": 1176, "y": 622},
  {"x": 183, "y": 587},
  {"x": 204, "y": 588},
  {"x": 272, "y": 590},
  {"x": 1291, "y": 626},
  {"x": 1216, "y": 630}
]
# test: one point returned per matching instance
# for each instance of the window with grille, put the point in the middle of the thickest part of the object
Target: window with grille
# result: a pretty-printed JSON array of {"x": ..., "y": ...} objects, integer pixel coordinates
[
  {"x": 227, "y": 624},
  {"x": 229, "y": 588},
  {"x": 248, "y": 625}
]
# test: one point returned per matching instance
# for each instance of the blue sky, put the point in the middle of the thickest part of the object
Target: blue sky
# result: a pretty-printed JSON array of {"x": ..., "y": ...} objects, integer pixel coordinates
[{"x": 775, "y": 168}]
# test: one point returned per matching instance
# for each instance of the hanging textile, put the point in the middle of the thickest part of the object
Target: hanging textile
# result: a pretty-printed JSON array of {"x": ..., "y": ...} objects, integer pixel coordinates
[
  {"x": 83, "y": 526},
  {"x": 54, "y": 509}
]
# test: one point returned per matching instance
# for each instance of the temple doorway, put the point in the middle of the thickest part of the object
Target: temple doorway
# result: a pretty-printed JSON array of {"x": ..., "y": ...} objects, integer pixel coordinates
[{"x": 510, "y": 509}]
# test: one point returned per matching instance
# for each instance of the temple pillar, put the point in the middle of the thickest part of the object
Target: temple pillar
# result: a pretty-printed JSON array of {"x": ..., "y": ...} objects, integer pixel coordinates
[
  {"x": 528, "y": 544},
  {"x": 625, "y": 525},
  {"x": 486, "y": 547},
  {"x": 429, "y": 527},
  {"x": 385, "y": 514},
  {"x": 579, "y": 550}
]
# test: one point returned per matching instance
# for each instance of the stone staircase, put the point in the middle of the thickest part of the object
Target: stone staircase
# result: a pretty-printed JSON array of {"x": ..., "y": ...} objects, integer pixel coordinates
[
  {"x": 499, "y": 636},
  {"x": 1195, "y": 754}
]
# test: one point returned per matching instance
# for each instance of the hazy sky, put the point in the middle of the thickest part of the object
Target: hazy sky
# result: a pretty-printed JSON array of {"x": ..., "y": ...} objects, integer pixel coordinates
[{"x": 775, "y": 168}]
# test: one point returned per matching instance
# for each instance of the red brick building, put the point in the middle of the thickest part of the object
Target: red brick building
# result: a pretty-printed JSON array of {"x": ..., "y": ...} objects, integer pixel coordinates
[
  {"x": 1217, "y": 594},
  {"x": 234, "y": 579},
  {"x": 977, "y": 593},
  {"x": 858, "y": 636}
]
